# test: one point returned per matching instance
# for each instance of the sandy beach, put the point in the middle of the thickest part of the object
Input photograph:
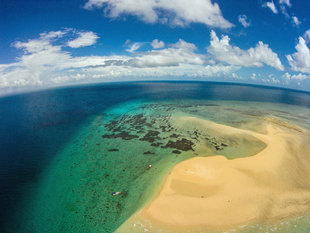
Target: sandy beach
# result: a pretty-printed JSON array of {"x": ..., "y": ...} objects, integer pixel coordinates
[{"x": 214, "y": 193}]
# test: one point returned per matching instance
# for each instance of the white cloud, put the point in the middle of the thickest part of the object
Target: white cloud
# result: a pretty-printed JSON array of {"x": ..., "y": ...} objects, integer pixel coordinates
[
  {"x": 296, "y": 21},
  {"x": 134, "y": 47},
  {"x": 132, "y": 72},
  {"x": 156, "y": 44},
  {"x": 306, "y": 36},
  {"x": 222, "y": 51},
  {"x": 45, "y": 62},
  {"x": 300, "y": 61},
  {"x": 274, "y": 80},
  {"x": 43, "y": 57},
  {"x": 33, "y": 46},
  {"x": 236, "y": 76},
  {"x": 243, "y": 19},
  {"x": 219, "y": 69},
  {"x": 299, "y": 76},
  {"x": 180, "y": 52},
  {"x": 40, "y": 44},
  {"x": 271, "y": 79},
  {"x": 285, "y": 2},
  {"x": 84, "y": 39},
  {"x": 284, "y": 11},
  {"x": 181, "y": 44},
  {"x": 253, "y": 76},
  {"x": 271, "y": 6},
  {"x": 54, "y": 34},
  {"x": 173, "y": 12}
]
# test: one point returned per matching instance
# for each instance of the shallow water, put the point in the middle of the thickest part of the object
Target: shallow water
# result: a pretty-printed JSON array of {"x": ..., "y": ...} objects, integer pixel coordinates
[{"x": 110, "y": 148}]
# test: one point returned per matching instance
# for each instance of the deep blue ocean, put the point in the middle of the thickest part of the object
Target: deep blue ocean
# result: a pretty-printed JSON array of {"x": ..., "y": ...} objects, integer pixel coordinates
[{"x": 35, "y": 126}]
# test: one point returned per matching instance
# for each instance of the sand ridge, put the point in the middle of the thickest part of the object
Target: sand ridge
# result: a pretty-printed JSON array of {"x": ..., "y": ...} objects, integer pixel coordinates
[{"x": 216, "y": 193}]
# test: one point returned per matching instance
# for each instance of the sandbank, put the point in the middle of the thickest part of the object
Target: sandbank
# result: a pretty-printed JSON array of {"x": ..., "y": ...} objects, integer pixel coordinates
[{"x": 214, "y": 193}]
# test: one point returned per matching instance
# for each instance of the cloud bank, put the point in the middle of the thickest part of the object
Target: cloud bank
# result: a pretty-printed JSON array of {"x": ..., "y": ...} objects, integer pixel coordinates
[{"x": 45, "y": 61}]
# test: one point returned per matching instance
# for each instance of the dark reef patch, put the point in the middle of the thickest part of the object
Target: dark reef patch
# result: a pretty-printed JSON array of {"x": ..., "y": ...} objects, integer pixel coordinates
[
  {"x": 123, "y": 135},
  {"x": 156, "y": 144},
  {"x": 151, "y": 136},
  {"x": 174, "y": 135},
  {"x": 176, "y": 152},
  {"x": 183, "y": 144},
  {"x": 113, "y": 150},
  {"x": 149, "y": 153}
]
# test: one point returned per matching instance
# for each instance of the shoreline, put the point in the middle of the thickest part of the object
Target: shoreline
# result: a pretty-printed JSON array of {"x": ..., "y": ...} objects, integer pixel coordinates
[{"x": 214, "y": 193}]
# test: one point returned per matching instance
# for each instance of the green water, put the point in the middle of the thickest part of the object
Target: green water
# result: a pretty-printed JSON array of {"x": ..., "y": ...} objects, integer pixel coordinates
[{"x": 113, "y": 152}]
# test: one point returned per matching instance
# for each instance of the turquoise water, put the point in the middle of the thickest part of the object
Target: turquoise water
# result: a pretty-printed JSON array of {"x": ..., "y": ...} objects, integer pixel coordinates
[{"x": 112, "y": 148}]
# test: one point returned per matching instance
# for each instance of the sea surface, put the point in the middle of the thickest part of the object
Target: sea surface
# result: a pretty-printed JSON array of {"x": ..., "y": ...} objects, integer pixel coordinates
[{"x": 63, "y": 152}]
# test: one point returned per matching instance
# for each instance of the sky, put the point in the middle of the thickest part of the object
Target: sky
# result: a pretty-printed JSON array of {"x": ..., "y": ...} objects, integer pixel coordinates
[{"x": 46, "y": 43}]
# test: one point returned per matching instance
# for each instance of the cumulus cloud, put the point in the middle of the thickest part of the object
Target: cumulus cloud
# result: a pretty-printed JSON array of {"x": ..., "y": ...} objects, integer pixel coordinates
[
  {"x": 156, "y": 44},
  {"x": 287, "y": 76},
  {"x": 84, "y": 39},
  {"x": 300, "y": 61},
  {"x": 221, "y": 50},
  {"x": 173, "y": 12},
  {"x": 243, "y": 19},
  {"x": 40, "y": 57},
  {"x": 271, "y": 6}
]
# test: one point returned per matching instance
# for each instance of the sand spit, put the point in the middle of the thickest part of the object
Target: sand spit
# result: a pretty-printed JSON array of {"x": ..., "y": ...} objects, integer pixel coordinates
[{"x": 214, "y": 193}]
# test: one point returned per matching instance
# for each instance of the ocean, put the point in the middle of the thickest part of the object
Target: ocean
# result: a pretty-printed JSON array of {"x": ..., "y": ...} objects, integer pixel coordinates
[{"x": 64, "y": 151}]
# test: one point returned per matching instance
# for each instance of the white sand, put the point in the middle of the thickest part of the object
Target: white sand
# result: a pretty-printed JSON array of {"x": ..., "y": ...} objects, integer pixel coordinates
[{"x": 215, "y": 193}]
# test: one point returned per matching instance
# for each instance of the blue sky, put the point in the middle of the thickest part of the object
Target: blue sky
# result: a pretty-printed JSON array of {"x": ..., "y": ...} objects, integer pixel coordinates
[{"x": 47, "y": 43}]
